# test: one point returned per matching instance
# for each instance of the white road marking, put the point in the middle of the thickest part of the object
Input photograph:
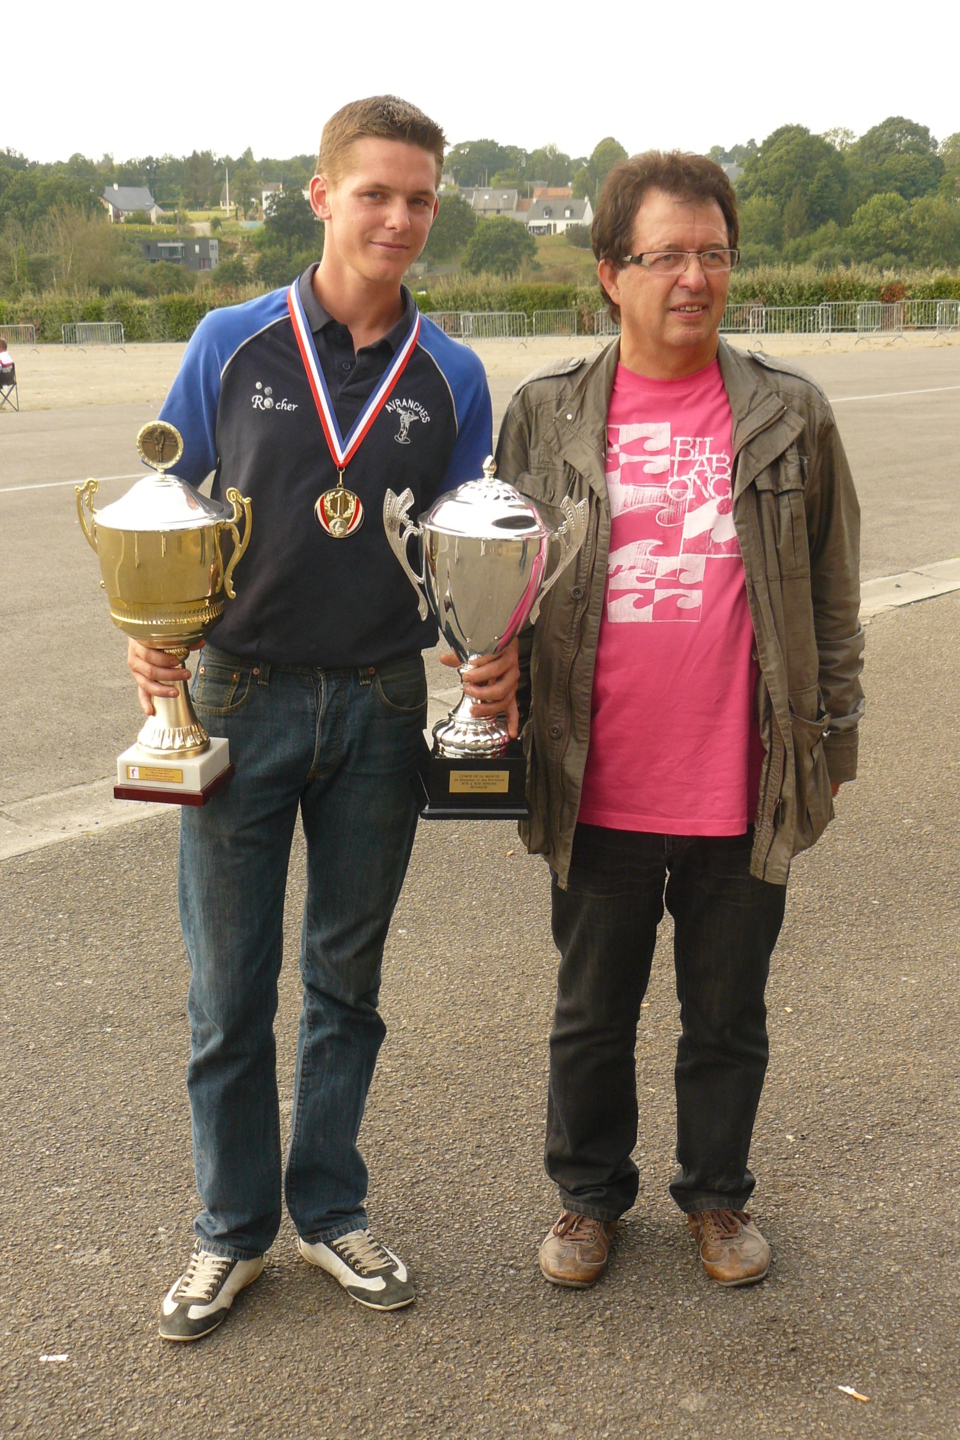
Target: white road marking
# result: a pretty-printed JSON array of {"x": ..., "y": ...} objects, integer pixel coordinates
[
  {"x": 892, "y": 394},
  {"x": 42, "y": 820},
  {"x": 54, "y": 484},
  {"x": 923, "y": 583}
]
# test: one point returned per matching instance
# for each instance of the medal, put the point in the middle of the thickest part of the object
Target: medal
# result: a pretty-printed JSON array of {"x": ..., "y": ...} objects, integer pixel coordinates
[{"x": 338, "y": 511}]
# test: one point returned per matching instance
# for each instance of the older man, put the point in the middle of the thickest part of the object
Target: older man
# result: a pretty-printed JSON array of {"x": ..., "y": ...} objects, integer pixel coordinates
[{"x": 694, "y": 698}]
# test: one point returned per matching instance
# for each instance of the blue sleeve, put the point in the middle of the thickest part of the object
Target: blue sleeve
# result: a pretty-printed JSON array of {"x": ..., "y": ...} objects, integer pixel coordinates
[
  {"x": 192, "y": 404},
  {"x": 474, "y": 432},
  {"x": 464, "y": 373},
  {"x": 194, "y": 397}
]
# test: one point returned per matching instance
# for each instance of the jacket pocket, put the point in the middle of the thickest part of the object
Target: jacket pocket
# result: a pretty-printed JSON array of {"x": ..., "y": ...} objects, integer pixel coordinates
[
  {"x": 813, "y": 799},
  {"x": 783, "y": 517},
  {"x": 221, "y": 688}
]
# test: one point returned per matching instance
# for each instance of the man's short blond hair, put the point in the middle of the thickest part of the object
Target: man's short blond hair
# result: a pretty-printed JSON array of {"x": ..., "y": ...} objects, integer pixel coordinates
[{"x": 381, "y": 117}]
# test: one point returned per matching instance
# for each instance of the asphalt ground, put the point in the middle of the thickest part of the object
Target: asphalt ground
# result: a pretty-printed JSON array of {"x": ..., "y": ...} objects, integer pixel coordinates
[
  {"x": 856, "y": 1150},
  {"x": 66, "y": 705},
  {"x": 856, "y": 1144}
]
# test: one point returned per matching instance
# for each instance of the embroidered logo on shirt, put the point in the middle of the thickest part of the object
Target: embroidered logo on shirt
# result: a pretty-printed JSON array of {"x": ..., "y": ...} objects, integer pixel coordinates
[
  {"x": 671, "y": 495},
  {"x": 262, "y": 399},
  {"x": 406, "y": 412}
]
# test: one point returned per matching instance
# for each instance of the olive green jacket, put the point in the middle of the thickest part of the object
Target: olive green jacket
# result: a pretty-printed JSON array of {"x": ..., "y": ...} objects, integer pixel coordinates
[{"x": 798, "y": 523}]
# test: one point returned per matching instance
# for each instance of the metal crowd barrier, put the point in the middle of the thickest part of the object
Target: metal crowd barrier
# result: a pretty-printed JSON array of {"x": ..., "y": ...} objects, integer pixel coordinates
[
  {"x": 947, "y": 315},
  {"x": 876, "y": 318},
  {"x": 19, "y": 334},
  {"x": 555, "y": 322},
  {"x": 93, "y": 332},
  {"x": 743, "y": 319},
  {"x": 493, "y": 325},
  {"x": 448, "y": 321},
  {"x": 864, "y": 318}
]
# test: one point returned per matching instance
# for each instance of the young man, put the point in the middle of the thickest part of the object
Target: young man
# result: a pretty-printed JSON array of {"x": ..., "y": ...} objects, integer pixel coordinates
[
  {"x": 312, "y": 401},
  {"x": 695, "y": 699}
]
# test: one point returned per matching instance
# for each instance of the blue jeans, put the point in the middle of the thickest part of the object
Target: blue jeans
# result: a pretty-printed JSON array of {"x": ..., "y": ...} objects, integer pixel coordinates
[
  {"x": 726, "y": 924},
  {"x": 343, "y": 747}
]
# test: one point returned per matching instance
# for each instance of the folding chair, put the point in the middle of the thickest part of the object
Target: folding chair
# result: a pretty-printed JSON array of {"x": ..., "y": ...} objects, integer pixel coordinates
[{"x": 9, "y": 394}]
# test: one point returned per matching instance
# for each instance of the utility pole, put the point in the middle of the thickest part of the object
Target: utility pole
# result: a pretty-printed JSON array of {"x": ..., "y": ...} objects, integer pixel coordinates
[{"x": 227, "y": 169}]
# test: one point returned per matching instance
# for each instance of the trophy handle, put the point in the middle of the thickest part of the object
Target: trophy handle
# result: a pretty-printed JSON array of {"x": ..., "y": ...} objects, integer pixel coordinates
[
  {"x": 85, "y": 494},
  {"x": 399, "y": 528},
  {"x": 571, "y": 535},
  {"x": 240, "y": 506}
]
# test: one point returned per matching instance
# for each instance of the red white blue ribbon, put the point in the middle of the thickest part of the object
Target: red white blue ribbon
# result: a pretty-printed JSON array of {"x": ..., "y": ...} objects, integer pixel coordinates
[{"x": 343, "y": 450}]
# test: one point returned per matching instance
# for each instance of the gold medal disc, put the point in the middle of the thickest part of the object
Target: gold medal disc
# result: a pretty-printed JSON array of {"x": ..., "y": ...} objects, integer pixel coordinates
[{"x": 339, "y": 512}]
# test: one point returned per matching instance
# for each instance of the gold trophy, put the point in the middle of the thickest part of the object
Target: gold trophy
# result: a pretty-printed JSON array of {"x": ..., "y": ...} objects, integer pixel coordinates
[{"x": 159, "y": 553}]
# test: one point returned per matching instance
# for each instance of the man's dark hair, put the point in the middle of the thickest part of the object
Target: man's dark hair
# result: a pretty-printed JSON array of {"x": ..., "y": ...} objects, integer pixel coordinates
[{"x": 685, "y": 176}]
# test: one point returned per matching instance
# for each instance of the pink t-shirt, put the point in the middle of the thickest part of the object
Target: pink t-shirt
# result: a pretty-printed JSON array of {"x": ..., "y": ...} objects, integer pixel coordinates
[{"x": 674, "y": 743}]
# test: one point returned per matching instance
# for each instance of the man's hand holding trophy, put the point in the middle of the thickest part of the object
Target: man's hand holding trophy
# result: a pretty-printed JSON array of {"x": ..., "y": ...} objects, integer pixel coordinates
[
  {"x": 160, "y": 557},
  {"x": 484, "y": 555}
]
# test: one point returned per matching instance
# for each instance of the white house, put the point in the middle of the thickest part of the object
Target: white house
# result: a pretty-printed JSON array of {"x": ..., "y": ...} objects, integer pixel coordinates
[
  {"x": 273, "y": 187},
  {"x": 122, "y": 201},
  {"x": 551, "y": 217}
]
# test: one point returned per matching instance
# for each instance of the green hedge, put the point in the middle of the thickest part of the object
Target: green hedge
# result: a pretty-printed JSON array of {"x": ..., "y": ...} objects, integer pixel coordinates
[
  {"x": 161, "y": 317},
  {"x": 489, "y": 292},
  {"x": 806, "y": 285},
  {"x": 175, "y": 317}
]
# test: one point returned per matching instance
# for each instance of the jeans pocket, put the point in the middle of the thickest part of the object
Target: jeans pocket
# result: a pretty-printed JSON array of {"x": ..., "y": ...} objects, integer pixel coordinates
[
  {"x": 221, "y": 688},
  {"x": 401, "y": 685}
]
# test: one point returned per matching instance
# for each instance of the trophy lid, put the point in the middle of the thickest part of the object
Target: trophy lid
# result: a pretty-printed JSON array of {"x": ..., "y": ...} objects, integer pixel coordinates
[
  {"x": 161, "y": 501},
  {"x": 487, "y": 509}
]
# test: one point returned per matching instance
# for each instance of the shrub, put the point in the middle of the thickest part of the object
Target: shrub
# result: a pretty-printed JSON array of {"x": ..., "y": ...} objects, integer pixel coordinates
[
  {"x": 578, "y": 236},
  {"x": 500, "y": 246},
  {"x": 230, "y": 271}
]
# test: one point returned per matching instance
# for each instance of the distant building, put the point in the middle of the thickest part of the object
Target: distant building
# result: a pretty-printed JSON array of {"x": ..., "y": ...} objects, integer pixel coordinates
[
  {"x": 267, "y": 192},
  {"x": 122, "y": 201},
  {"x": 552, "y": 192},
  {"x": 552, "y": 216},
  {"x": 733, "y": 171},
  {"x": 193, "y": 254},
  {"x": 486, "y": 202}
]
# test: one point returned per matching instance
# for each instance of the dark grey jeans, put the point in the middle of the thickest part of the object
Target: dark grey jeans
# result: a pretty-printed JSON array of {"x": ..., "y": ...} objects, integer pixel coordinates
[{"x": 605, "y": 927}]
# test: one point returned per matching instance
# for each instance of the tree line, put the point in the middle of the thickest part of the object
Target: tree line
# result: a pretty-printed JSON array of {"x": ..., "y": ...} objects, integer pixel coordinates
[
  {"x": 29, "y": 189},
  {"x": 890, "y": 197}
]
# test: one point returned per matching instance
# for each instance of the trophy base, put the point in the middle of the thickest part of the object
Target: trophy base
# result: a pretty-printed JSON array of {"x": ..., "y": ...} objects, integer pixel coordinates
[
  {"x": 475, "y": 789},
  {"x": 179, "y": 780}
]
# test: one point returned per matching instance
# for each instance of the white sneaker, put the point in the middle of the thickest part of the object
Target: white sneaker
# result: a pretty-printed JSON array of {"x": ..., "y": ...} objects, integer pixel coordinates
[
  {"x": 198, "y": 1302},
  {"x": 367, "y": 1270}
]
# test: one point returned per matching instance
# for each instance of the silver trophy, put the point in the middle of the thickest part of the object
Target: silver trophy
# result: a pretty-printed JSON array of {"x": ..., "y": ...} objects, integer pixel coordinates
[{"x": 484, "y": 567}]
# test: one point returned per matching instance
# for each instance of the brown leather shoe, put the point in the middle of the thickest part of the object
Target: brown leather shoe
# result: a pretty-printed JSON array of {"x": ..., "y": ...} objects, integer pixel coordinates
[
  {"x": 576, "y": 1251},
  {"x": 731, "y": 1247}
]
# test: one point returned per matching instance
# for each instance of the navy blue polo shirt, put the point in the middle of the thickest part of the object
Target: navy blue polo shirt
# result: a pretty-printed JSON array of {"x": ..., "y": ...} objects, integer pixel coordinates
[{"x": 245, "y": 410}]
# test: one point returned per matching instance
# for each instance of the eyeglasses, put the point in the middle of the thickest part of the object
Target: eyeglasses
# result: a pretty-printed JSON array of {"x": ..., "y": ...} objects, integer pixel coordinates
[{"x": 674, "y": 262}]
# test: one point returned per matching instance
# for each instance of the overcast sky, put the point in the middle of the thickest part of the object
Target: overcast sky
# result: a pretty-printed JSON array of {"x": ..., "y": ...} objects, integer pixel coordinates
[{"x": 148, "y": 79}]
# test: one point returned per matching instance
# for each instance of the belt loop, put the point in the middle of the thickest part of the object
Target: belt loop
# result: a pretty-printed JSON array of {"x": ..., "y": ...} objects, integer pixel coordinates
[
  {"x": 263, "y": 672},
  {"x": 366, "y": 674}
]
